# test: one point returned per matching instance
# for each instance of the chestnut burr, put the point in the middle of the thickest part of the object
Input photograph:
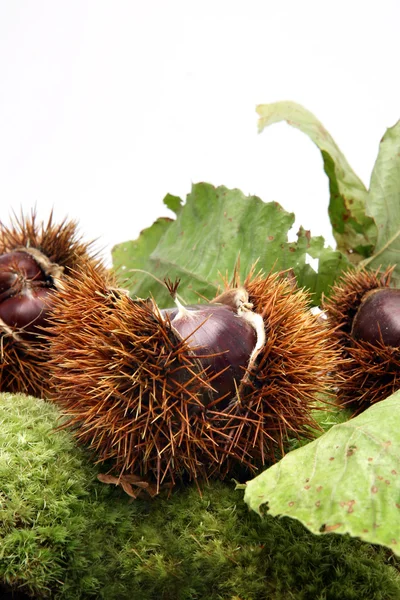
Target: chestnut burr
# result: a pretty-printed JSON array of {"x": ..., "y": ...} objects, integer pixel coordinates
[
  {"x": 188, "y": 391},
  {"x": 364, "y": 317},
  {"x": 35, "y": 258}
]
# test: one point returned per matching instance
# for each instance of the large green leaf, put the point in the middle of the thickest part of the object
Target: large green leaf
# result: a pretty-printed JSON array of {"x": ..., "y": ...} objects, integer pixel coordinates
[
  {"x": 214, "y": 230},
  {"x": 147, "y": 241},
  {"x": 384, "y": 202},
  {"x": 346, "y": 481},
  {"x": 354, "y": 231}
]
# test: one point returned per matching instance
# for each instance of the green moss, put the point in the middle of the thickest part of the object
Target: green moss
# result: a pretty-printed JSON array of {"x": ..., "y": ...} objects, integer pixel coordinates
[{"x": 64, "y": 535}]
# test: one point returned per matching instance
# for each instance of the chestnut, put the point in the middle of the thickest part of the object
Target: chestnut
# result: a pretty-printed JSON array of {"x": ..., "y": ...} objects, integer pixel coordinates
[
  {"x": 24, "y": 292},
  {"x": 377, "y": 319},
  {"x": 16, "y": 268},
  {"x": 224, "y": 337},
  {"x": 27, "y": 310}
]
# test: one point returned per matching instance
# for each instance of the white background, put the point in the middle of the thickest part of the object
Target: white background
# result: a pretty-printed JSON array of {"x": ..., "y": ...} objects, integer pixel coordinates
[{"x": 106, "y": 106}]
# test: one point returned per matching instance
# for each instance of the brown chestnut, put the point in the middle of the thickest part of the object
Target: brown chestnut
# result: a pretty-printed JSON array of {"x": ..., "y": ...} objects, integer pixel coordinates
[
  {"x": 16, "y": 268},
  {"x": 27, "y": 310},
  {"x": 378, "y": 318},
  {"x": 223, "y": 338},
  {"x": 24, "y": 292}
]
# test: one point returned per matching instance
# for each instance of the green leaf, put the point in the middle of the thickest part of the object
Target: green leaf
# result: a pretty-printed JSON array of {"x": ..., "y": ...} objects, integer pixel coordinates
[
  {"x": 174, "y": 203},
  {"x": 346, "y": 481},
  {"x": 214, "y": 230},
  {"x": 354, "y": 231},
  {"x": 148, "y": 239},
  {"x": 142, "y": 247},
  {"x": 330, "y": 263},
  {"x": 384, "y": 202}
]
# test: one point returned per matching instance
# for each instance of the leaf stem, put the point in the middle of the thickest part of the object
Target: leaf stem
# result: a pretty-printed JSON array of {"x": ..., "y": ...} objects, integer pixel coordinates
[{"x": 366, "y": 262}]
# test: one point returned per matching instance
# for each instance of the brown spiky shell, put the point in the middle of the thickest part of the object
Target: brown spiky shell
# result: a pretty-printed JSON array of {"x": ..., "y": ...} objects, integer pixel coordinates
[
  {"x": 135, "y": 393},
  {"x": 57, "y": 251},
  {"x": 368, "y": 372},
  {"x": 59, "y": 242}
]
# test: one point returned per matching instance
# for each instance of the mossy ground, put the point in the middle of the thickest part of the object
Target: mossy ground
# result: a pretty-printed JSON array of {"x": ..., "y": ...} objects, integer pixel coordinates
[{"x": 64, "y": 535}]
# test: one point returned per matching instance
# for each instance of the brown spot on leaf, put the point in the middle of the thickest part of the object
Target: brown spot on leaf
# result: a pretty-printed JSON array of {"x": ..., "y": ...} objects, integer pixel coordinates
[
  {"x": 307, "y": 487},
  {"x": 394, "y": 542},
  {"x": 350, "y": 505},
  {"x": 291, "y": 503},
  {"x": 387, "y": 444},
  {"x": 328, "y": 528},
  {"x": 387, "y": 481},
  {"x": 370, "y": 459},
  {"x": 365, "y": 530},
  {"x": 318, "y": 503},
  {"x": 393, "y": 472},
  {"x": 271, "y": 238},
  {"x": 319, "y": 488},
  {"x": 374, "y": 489},
  {"x": 332, "y": 458}
]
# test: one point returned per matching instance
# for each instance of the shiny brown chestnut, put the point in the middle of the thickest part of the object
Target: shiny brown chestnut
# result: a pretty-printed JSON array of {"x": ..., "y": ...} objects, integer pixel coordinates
[
  {"x": 25, "y": 286},
  {"x": 16, "y": 268},
  {"x": 27, "y": 311},
  {"x": 377, "y": 319},
  {"x": 223, "y": 337}
]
